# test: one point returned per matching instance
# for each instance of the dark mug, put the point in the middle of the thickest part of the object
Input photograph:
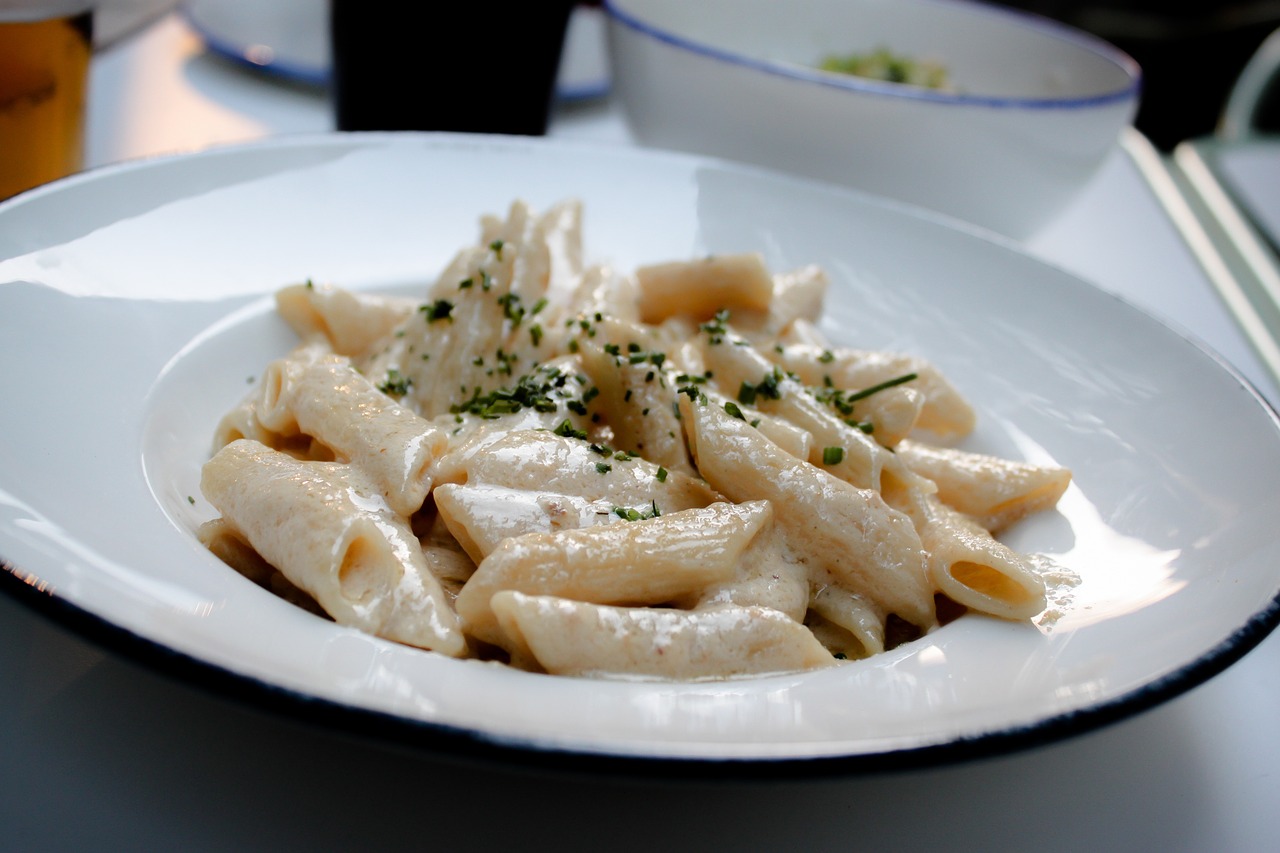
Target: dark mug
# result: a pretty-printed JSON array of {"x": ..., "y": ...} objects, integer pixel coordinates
[{"x": 472, "y": 67}]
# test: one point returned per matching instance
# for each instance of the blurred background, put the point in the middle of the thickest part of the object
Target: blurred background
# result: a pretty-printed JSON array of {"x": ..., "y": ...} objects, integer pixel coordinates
[{"x": 1191, "y": 53}]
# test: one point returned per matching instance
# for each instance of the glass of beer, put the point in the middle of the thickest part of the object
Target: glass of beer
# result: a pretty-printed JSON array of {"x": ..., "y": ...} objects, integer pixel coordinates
[{"x": 45, "y": 49}]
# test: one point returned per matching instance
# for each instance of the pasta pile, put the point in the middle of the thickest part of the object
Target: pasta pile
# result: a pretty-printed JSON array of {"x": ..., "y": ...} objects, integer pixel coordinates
[{"x": 666, "y": 473}]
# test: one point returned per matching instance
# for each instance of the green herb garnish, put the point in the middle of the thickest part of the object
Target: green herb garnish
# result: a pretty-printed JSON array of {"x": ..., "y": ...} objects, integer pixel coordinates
[
  {"x": 396, "y": 383},
  {"x": 441, "y": 309}
]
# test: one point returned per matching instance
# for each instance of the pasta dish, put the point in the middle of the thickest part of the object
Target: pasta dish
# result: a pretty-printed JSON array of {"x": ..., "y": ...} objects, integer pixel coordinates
[{"x": 666, "y": 472}]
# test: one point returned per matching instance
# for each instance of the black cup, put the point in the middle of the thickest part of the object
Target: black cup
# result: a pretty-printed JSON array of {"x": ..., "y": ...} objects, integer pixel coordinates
[{"x": 471, "y": 66}]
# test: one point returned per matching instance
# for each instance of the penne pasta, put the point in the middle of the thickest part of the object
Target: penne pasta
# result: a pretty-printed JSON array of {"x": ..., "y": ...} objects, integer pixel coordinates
[
  {"x": 971, "y": 567},
  {"x": 349, "y": 322},
  {"x": 943, "y": 411},
  {"x": 567, "y": 637},
  {"x": 648, "y": 561},
  {"x": 361, "y": 423},
  {"x": 994, "y": 492},
  {"x": 626, "y": 364},
  {"x": 329, "y": 536},
  {"x": 844, "y": 534},
  {"x": 698, "y": 289},
  {"x": 855, "y": 626},
  {"x": 579, "y": 470}
]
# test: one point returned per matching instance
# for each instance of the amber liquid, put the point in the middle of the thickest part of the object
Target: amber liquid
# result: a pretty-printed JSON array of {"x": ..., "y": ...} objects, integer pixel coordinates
[{"x": 44, "y": 69}]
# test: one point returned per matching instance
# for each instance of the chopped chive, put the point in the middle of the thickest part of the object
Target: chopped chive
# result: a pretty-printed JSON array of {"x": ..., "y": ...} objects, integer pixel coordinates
[
  {"x": 396, "y": 384},
  {"x": 888, "y": 383},
  {"x": 441, "y": 309}
]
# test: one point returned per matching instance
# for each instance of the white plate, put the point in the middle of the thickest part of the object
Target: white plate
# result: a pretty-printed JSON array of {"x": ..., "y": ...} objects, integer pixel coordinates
[
  {"x": 134, "y": 307},
  {"x": 290, "y": 39}
]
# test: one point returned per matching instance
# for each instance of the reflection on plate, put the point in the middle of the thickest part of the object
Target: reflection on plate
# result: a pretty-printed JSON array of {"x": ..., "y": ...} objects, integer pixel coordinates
[
  {"x": 289, "y": 39},
  {"x": 137, "y": 298}
]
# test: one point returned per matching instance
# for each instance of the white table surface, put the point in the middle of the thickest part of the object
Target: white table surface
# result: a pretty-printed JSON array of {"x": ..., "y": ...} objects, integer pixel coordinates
[
  {"x": 99, "y": 752},
  {"x": 1250, "y": 170}
]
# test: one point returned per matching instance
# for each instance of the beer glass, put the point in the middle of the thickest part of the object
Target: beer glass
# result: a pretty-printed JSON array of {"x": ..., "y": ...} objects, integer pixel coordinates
[{"x": 45, "y": 48}]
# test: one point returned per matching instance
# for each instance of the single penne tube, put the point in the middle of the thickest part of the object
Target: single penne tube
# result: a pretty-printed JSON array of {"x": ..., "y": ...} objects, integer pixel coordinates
[
  {"x": 648, "y": 562},
  {"x": 480, "y": 517},
  {"x": 888, "y": 412},
  {"x": 626, "y": 364},
  {"x": 994, "y": 491},
  {"x": 754, "y": 378},
  {"x": 797, "y": 297},
  {"x": 943, "y": 412},
  {"x": 795, "y": 440},
  {"x": 846, "y": 451},
  {"x": 271, "y": 402},
  {"x": 545, "y": 460},
  {"x": 324, "y": 531},
  {"x": 568, "y": 637},
  {"x": 225, "y": 543},
  {"x": 854, "y": 614},
  {"x": 702, "y": 287},
  {"x": 802, "y": 332},
  {"x": 451, "y": 567},
  {"x": 329, "y": 400},
  {"x": 242, "y": 422},
  {"x": 798, "y": 294},
  {"x": 446, "y": 558},
  {"x": 350, "y": 322},
  {"x": 891, "y": 414},
  {"x": 845, "y": 535},
  {"x": 971, "y": 567}
]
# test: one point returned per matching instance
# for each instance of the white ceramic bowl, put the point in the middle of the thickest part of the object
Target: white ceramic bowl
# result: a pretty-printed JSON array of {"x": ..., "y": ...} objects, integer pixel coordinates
[
  {"x": 133, "y": 329},
  {"x": 1038, "y": 107}
]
